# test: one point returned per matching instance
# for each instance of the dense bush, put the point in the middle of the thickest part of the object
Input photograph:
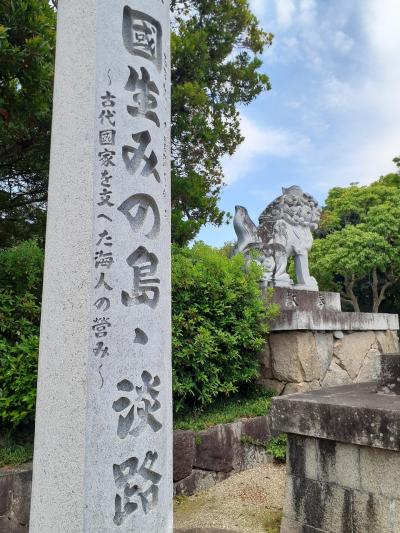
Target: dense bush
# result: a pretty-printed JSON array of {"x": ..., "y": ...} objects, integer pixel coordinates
[
  {"x": 219, "y": 324},
  {"x": 21, "y": 270}
]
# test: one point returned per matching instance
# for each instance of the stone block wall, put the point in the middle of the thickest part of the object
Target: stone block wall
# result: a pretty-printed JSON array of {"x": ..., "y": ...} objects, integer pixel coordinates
[
  {"x": 340, "y": 488},
  {"x": 15, "y": 495},
  {"x": 203, "y": 458},
  {"x": 300, "y": 361}
]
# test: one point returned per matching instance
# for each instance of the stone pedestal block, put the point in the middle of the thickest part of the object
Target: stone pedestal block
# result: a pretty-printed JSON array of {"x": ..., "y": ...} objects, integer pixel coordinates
[
  {"x": 300, "y": 361},
  {"x": 343, "y": 457}
]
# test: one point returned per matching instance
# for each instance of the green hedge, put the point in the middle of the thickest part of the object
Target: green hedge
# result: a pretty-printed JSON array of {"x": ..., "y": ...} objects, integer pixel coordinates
[
  {"x": 219, "y": 325},
  {"x": 21, "y": 271}
]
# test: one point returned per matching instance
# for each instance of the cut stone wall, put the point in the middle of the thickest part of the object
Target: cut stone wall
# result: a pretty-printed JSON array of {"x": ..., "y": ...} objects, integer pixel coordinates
[
  {"x": 15, "y": 499},
  {"x": 340, "y": 488},
  {"x": 300, "y": 361},
  {"x": 201, "y": 459}
]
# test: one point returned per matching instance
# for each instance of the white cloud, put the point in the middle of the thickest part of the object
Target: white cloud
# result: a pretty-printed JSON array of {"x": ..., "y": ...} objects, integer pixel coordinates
[
  {"x": 262, "y": 141},
  {"x": 337, "y": 94},
  {"x": 342, "y": 42},
  {"x": 259, "y": 8},
  {"x": 285, "y": 11},
  {"x": 349, "y": 53},
  {"x": 307, "y": 11}
]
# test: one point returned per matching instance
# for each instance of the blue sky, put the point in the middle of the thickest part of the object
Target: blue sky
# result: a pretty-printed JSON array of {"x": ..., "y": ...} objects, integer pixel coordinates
[{"x": 333, "y": 115}]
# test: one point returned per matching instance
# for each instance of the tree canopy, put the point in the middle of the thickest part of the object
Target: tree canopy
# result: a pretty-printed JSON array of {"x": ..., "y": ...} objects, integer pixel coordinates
[
  {"x": 27, "y": 40},
  {"x": 358, "y": 252},
  {"x": 216, "y": 49}
]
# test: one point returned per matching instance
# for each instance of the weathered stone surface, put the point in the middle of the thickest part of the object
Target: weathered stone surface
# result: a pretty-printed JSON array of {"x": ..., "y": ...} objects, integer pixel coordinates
[
  {"x": 302, "y": 457},
  {"x": 336, "y": 376},
  {"x": 388, "y": 382},
  {"x": 324, "y": 351},
  {"x": 347, "y": 466},
  {"x": 294, "y": 357},
  {"x": 21, "y": 497},
  {"x": 377, "y": 472},
  {"x": 265, "y": 363},
  {"x": 6, "y": 525},
  {"x": 352, "y": 350},
  {"x": 6, "y": 481},
  {"x": 306, "y": 300},
  {"x": 324, "y": 460},
  {"x": 184, "y": 454},
  {"x": 198, "y": 480},
  {"x": 257, "y": 428},
  {"x": 317, "y": 504},
  {"x": 334, "y": 321},
  {"x": 388, "y": 341},
  {"x": 272, "y": 384},
  {"x": 250, "y": 456},
  {"x": 290, "y": 526},
  {"x": 350, "y": 414},
  {"x": 215, "y": 447},
  {"x": 373, "y": 513},
  {"x": 312, "y": 506},
  {"x": 293, "y": 388},
  {"x": 370, "y": 368}
]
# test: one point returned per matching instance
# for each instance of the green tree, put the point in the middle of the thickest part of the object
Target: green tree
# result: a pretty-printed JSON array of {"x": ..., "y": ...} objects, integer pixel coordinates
[
  {"x": 27, "y": 39},
  {"x": 358, "y": 252},
  {"x": 216, "y": 49}
]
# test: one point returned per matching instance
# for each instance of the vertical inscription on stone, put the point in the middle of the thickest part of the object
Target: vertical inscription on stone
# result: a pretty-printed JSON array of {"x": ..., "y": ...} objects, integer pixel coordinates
[
  {"x": 142, "y": 35},
  {"x": 131, "y": 295},
  {"x": 103, "y": 459}
]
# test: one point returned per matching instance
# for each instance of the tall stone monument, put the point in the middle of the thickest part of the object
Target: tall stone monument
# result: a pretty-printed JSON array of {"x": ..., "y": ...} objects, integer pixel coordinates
[{"x": 103, "y": 444}]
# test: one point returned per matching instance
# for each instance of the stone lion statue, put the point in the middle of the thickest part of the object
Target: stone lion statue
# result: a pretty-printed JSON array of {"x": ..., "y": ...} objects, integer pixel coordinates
[{"x": 284, "y": 231}]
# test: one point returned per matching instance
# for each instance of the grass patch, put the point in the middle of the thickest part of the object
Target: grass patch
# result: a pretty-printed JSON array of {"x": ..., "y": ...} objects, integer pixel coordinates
[
  {"x": 273, "y": 522},
  {"x": 16, "y": 450},
  {"x": 225, "y": 410},
  {"x": 277, "y": 447}
]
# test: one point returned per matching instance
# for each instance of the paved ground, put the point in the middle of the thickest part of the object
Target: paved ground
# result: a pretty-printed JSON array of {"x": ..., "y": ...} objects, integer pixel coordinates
[{"x": 249, "y": 502}]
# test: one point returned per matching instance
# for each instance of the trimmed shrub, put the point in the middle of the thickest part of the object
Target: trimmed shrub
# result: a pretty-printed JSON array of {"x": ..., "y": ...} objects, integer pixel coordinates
[
  {"x": 219, "y": 323},
  {"x": 21, "y": 269},
  {"x": 219, "y": 326}
]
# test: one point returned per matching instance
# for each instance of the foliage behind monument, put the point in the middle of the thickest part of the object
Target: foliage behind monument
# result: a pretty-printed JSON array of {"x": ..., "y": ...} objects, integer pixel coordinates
[
  {"x": 358, "y": 252},
  {"x": 216, "y": 47},
  {"x": 20, "y": 281},
  {"x": 219, "y": 325}
]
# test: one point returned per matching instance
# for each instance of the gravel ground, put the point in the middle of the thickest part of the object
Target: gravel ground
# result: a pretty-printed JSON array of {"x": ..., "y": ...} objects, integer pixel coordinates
[{"x": 248, "y": 502}]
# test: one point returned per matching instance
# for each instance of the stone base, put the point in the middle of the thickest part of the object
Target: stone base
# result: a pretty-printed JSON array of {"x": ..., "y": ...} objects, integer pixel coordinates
[
  {"x": 340, "y": 488},
  {"x": 301, "y": 361},
  {"x": 321, "y": 311}
]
